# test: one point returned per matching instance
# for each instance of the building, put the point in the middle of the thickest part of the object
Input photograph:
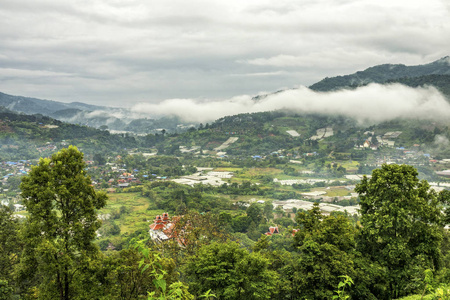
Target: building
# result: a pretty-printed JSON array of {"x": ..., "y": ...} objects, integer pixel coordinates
[
  {"x": 161, "y": 229},
  {"x": 272, "y": 231}
]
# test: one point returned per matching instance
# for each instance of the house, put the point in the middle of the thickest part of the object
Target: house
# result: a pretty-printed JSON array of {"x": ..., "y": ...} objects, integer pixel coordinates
[
  {"x": 366, "y": 144},
  {"x": 272, "y": 231},
  {"x": 162, "y": 229}
]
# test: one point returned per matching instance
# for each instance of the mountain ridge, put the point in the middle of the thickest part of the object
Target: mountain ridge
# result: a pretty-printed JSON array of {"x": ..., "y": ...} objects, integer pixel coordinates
[{"x": 381, "y": 74}]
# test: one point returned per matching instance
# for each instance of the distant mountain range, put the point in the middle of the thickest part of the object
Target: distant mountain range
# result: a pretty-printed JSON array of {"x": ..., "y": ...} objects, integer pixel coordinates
[
  {"x": 116, "y": 119},
  {"x": 75, "y": 112},
  {"x": 38, "y": 106},
  {"x": 435, "y": 74}
]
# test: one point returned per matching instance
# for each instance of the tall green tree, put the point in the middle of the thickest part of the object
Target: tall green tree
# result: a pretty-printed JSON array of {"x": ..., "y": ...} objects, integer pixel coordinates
[
  {"x": 326, "y": 246},
  {"x": 401, "y": 225},
  {"x": 9, "y": 250},
  {"x": 231, "y": 272},
  {"x": 61, "y": 226},
  {"x": 255, "y": 213}
]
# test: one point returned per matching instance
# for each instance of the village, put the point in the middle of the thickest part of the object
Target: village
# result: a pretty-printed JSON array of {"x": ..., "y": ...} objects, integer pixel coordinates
[{"x": 115, "y": 176}]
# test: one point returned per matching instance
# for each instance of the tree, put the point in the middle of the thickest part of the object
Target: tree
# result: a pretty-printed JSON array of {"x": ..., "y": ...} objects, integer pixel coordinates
[
  {"x": 61, "y": 225},
  {"x": 401, "y": 225},
  {"x": 268, "y": 211},
  {"x": 13, "y": 182},
  {"x": 231, "y": 272},
  {"x": 191, "y": 231},
  {"x": 255, "y": 213},
  {"x": 124, "y": 278},
  {"x": 326, "y": 250},
  {"x": 99, "y": 159},
  {"x": 9, "y": 249}
]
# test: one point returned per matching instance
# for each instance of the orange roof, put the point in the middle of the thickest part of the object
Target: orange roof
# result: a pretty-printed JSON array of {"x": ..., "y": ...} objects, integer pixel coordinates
[{"x": 272, "y": 230}]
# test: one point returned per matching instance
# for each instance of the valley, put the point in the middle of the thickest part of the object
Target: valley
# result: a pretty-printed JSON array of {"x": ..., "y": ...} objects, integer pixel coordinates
[{"x": 298, "y": 194}]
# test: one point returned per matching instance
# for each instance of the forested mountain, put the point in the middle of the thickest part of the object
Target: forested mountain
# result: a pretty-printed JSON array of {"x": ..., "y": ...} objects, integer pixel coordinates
[
  {"x": 267, "y": 205},
  {"x": 117, "y": 119},
  {"x": 38, "y": 106},
  {"x": 386, "y": 73},
  {"x": 75, "y": 112},
  {"x": 441, "y": 82},
  {"x": 21, "y": 135}
]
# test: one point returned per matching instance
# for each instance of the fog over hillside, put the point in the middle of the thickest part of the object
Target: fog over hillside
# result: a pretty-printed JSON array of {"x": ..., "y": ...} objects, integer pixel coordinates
[{"x": 373, "y": 103}]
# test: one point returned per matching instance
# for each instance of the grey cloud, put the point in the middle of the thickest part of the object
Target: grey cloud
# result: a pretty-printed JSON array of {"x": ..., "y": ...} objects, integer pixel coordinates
[
  {"x": 108, "y": 50},
  {"x": 441, "y": 140}
]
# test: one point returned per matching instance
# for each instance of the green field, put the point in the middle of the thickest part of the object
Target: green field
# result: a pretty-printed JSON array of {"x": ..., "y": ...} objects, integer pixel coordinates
[
  {"x": 137, "y": 215},
  {"x": 334, "y": 191}
]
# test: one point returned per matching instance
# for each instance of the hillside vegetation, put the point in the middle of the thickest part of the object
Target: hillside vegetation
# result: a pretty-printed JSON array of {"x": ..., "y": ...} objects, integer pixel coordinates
[{"x": 386, "y": 73}]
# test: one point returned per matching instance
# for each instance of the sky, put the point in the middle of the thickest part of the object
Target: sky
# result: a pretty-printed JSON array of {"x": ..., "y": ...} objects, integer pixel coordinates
[{"x": 169, "y": 54}]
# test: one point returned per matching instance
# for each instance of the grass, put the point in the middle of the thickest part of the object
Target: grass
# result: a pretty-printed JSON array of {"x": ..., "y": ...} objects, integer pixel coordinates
[
  {"x": 226, "y": 169},
  {"x": 334, "y": 191},
  {"x": 138, "y": 214},
  {"x": 253, "y": 174},
  {"x": 351, "y": 166},
  {"x": 283, "y": 176},
  {"x": 250, "y": 174}
]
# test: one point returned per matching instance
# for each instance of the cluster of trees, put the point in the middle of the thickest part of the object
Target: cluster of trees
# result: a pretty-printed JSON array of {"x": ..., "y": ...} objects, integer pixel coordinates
[
  {"x": 177, "y": 198},
  {"x": 436, "y": 80},
  {"x": 162, "y": 165}
]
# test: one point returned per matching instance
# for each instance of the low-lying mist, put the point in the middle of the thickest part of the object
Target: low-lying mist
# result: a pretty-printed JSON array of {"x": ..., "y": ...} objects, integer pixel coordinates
[{"x": 372, "y": 103}]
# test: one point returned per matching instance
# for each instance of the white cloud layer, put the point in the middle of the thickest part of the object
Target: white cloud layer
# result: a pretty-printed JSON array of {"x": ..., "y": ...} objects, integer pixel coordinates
[
  {"x": 122, "y": 52},
  {"x": 372, "y": 103}
]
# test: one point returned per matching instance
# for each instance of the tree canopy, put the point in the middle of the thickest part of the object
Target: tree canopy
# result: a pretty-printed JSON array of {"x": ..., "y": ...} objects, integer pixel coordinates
[
  {"x": 61, "y": 224},
  {"x": 401, "y": 224},
  {"x": 231, "y": 272}
]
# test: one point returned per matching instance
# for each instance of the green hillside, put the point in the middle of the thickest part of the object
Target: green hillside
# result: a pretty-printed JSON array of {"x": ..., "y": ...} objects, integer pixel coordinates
[
  {"x": 21, "y": 135},
  {"x": 253, "y": 134},
  {"x": 441, "y": 82},
  {"x": 264, "y": 133},
  {"x": 385, "y": 73}
]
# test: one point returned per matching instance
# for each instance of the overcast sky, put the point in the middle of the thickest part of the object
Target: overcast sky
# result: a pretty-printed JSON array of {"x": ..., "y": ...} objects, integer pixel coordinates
[{"x": 126, "y": 52}]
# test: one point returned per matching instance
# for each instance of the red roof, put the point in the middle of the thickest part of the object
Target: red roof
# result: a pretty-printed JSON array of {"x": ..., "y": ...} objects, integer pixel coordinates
[
  {"x": 272, "y": 230},
  {"x": 158, "y": 224}
]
